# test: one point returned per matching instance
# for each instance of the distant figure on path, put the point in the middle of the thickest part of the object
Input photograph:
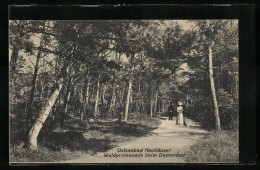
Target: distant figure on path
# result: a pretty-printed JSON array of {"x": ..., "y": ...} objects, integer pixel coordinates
[
  {"x": 179, "y": 119},
  {"x": 170, "y": 111}
]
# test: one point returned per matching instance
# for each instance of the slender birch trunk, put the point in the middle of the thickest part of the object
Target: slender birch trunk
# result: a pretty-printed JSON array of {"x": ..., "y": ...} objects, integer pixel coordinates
[
  {"x": 103, "y": 93},
  {"x": 131, "y": 96},
  {"x": 36, "y": 68},
  {"x": 163, "y": 106},
  {"x": 66, "y": 106},
  {"x": 47, "y": 107},
  {"x": 81, "y": 104},
  {"x": 155, "y": 101},
  {"x": 128, "y": 99},
  {"x": 44, "y": 113},
  {"x": 87, "y": 90},
  {"x": 113, "y": 102},
  {"x": 97, "y": 98},
  {"x": 151, "y": 108},
  {"x": 137, "y": 103},
  {"x": 213, "y": 92},
  {"x": 130, "y": 82}
]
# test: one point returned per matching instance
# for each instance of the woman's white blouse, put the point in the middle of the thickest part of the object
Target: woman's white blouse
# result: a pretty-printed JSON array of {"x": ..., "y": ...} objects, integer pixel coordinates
[{"x": 179, "y": 109}]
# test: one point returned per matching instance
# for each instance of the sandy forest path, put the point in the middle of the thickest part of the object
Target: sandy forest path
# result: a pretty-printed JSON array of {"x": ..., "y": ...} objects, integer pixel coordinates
[{"x": 166, "y": 144}]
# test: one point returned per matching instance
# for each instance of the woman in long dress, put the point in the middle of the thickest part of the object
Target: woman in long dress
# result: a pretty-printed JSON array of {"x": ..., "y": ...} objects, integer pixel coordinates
[{"x": 179, "y": 119}]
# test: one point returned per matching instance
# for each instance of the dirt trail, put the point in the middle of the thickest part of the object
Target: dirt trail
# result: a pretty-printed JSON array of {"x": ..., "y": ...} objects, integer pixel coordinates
[{"x": 174, "y": 139}]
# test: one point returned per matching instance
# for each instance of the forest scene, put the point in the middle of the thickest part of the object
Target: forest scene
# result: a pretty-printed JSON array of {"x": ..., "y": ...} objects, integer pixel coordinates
[{"x": 82, "y": 88}]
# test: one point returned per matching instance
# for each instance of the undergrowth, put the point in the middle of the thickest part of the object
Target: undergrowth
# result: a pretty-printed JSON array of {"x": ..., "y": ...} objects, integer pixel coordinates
[
  {"x": 219, "y": 146},
  {"x": 55, "y": 146}
]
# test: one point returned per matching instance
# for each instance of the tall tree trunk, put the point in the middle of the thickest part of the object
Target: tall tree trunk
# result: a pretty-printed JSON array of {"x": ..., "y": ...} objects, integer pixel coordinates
[
  {"x": 128, "y": 99},
  {"x": 103, "y": 93},
  {"x": 81, "y": 101},
  {"x": 42, "y": 79},
  {"x": 141, "y": 86},
  {"x": 36, "y": 68},
  {"x": 67, "y": 101},
  {"x": 44, "y": 113},
  {"x": 162, "y": 105},
  {"x": 121, "y": 96},
  {"x": 137, "y": 101},
  {"x": 14, "y": 58},
  {"x": 92, "y": 93},
  {"x": 155, "y": 101},
  {"x": 87, "y": 90},
  {"x": 212, "y": 88},
  {"x": 97, "y": 98},
  {"x": 112, "y": 101},
  {"x": 47, "y": 107},
  {"x": 129, "y": 88},
  {"x": 30, "y": 103},
  {"x": 151, "y": 108},
  {"x": 67, "y": 96},
  {"x": 131, "y": 96}
]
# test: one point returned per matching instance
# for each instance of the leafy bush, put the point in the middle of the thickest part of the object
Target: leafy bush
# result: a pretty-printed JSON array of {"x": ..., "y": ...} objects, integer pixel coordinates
[
  {"x": 201, "y": 112},
  {"x": 103, "y": 110},
  {"x": 89, "y": 110},
  {"x": 228, "y": 110},
  {"x": 135, "y": 115}
]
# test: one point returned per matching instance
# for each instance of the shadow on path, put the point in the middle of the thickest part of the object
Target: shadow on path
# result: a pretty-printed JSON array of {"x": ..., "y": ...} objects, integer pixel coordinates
[{"x": 169, "y": 136}]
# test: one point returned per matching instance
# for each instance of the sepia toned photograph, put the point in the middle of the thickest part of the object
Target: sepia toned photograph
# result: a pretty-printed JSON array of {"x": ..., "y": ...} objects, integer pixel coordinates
[{"x": 123, "y": 91}]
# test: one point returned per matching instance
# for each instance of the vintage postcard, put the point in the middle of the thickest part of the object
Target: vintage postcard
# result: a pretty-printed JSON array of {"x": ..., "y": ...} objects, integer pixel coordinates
[{"x": 123, "y": 91}]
